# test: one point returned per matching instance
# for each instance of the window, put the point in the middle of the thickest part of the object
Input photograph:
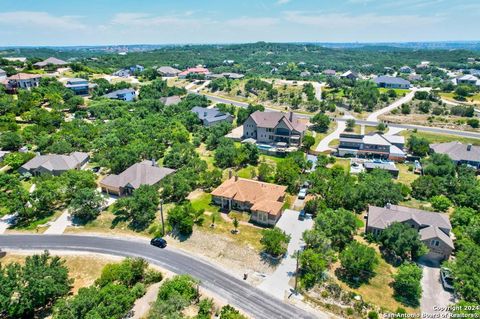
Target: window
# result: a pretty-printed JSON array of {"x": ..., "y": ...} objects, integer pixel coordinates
[{"x": 435, "y": 243}]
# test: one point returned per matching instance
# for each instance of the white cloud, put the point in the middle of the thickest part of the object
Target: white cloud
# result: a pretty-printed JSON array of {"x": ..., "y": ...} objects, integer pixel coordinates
[
  {"x": 147, "y": 20},
  {"x": 280, "y": 2},
  {"x": 39, "y": 19},
  {"x": 245, "y": 22}
]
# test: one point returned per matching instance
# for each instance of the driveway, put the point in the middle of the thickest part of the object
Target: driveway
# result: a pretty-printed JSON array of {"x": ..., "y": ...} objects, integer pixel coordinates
[
  {"x": 59, "y": 225},
  {"x": 281, "y": 282},
  {"x": 433, "y": 293},
  {"x": 407, "y": 98},
  {"x": 323, "y": 145},
  {"x": 6, "y": 221}
]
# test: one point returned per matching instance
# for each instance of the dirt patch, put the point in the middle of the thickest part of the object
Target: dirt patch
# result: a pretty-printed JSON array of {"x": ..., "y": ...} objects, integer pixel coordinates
[{"x": 233, "y": 257}]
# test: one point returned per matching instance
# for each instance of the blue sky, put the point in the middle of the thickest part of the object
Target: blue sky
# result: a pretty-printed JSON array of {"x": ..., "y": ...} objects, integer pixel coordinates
[{"x": 93, "y": 22}]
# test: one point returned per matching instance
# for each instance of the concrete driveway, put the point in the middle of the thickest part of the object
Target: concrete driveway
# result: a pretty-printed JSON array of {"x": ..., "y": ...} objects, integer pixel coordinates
[
  {"x": 433, "y": 293},
  {"x": 323, "y": 145},
  {"x": 280, "y": 283},
  {"x": 407, "y": 98}
]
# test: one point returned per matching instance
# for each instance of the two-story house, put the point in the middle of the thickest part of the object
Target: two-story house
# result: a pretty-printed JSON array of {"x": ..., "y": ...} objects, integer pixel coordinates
[
  {"x": 127, "y": 95},
  {"x": 376, "y": 145},
  {"x": 78, "y": 86},
  {"x": 433, "y": 228},
  {"x": 273, "y": 127},
  {"x": 24, "y": 81}
]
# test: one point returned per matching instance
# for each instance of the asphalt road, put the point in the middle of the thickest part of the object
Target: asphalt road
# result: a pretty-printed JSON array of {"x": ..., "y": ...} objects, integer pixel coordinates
[{"x": 234, "y": 290}]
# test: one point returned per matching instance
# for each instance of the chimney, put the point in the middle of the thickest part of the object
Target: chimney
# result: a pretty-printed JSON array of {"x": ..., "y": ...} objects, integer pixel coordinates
[
  {"x": 230, "y": 174},
  {"x": 236, "y": 177},
  {"x": 388, "y": 206},
  {"x": 290, "y": 116},
  {"x": 154, "y": 163},
  {"x": 469, "y": 147}
]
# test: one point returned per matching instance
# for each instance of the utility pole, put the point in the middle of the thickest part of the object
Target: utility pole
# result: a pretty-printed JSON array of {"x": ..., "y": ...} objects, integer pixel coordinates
[
  {"x": 296, "y": 272},
  {"x": 161, "y": 213}
]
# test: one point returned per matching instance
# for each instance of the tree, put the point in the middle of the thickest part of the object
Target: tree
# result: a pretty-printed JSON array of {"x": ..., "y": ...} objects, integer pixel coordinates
[
  {"x": 35, "y": 285},
  {"x": 275, "y": 241},
  {"x": 418, "y": 145},
  {"x": 440, "y": 203},
  {"x": 474, "y": 123},
  {"x": 321, "y": 122},
  {"x": 407, "y": 284},
  {"x": 13, "y": 197},
  {"x": 265, "y": 172},
  {"x": 376, "y": 188},
  {"x": 308, "y": 141},
  {"x": 338, "y": 225},
  {"x": 402, "y": 241},
  {"x": 381, "y": 127},
  {"x": 405, "y": 109},
  {"x": 140, "y": 208},
  {"x": 350, "y": 125},
  {"x": 10, "y": 141},
  {"x": 439, "y": 165},
  {"x": 86, "y": 204},
  {"x": 358, "y": 261},
  {"x": 464, "y": 268},
  {"x": 235, "y": 225},
  {"x": 183, "y": 217},
  {"x": 229, "y": 312},
  {"x": 312, "y": 268},
  {"x": 226, "y": 154}
]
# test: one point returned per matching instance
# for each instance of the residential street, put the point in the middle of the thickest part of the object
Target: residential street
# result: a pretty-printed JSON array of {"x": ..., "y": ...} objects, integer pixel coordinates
[
  {"x": 279, "y": 282},
  {"x": 257, "y": 303}
]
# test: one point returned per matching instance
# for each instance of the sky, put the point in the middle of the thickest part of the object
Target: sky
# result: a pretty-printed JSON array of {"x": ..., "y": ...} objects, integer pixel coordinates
[{"x": 117, "y": 22}]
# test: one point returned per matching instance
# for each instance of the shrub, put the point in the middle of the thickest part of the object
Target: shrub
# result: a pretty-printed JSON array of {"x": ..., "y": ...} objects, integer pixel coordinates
[{"x": 275, "y": 241}]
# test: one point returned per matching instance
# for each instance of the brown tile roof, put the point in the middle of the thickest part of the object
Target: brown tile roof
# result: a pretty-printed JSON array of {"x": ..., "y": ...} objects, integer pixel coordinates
[
  {"x": 265, "y": 197},
  {"x": 23, "y": 76},
  {"x": 50, "y": 60}
]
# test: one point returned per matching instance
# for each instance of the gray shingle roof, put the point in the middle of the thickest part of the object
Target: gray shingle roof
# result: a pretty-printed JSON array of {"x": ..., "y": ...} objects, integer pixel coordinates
[
  {"x": 143, "y": 173},
  {"x": 458, "y": 151},
  {"x": 55, "y": 162},
  {"x": 168, "y": 70},
  {"x": 51, "y": 60},
  {"x": 115, "y": 94},
  {"x": 210, "y": 115},
  {"x": 391, "y": 80},
  {"x": 170, "y": 100}
]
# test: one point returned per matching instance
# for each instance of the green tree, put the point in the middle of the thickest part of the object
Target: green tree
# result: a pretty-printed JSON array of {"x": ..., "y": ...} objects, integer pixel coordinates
[
  {"x": 308, "y": 141},
  {"x": 338, "y": 225},
  {"x": 350, "y": 125},
  {"x": 406, "y": 284},
  {"x": 467, "y": 279},
  {"x": 402, "y": 241},
  {"x": 183, "y": 217},
  {"x": 381, "y": 127},
  {"x": 24, "y": 290},
  {"x": 440, "y": 203},
  {"x": 321, "y": 122},
  {"x": 140, "y": 208},
  {"x": 265, "y": 172},
  {"x": 86, "y": 204},
  {"x": 275, "y": 241},
  {"x": 358, "y": 261},
  {"x": 229, "y": 312},
  {"x": 312, "y": 268},
  {"x": 418, "y": 145}
]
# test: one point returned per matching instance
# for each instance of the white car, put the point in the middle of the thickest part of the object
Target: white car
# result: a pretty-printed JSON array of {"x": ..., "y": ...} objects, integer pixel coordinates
[
  {"x": 447, "y": 279},
  {"x": 302, "y": 194}
]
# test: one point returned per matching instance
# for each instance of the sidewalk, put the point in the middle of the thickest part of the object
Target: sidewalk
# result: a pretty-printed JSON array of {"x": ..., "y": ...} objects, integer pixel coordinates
[{"x": 59, "y": 225}]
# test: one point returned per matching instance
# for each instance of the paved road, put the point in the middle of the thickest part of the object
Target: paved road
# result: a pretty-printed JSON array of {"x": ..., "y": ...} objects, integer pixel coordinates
[
  {"x": 407, "y": 98},
  {"x": 257, "y": 303}
]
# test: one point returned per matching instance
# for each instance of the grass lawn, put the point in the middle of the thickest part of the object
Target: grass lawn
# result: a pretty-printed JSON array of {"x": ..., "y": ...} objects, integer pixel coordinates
[
  {"x": 450, "y": 96},
  {"x": 334, "y": 143},
  {"x": 342, "y": 162},
  {"x": 441, "y": 138},
  {"x": 406, "y": 177},
  {"x": 82, "y": 268},
  {"x": 400, "y": 92},
  {"x": 247, "y": 172}
]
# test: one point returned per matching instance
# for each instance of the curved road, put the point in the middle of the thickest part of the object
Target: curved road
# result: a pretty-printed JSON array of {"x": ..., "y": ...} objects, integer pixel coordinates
[{"x": 234, "y": 290}]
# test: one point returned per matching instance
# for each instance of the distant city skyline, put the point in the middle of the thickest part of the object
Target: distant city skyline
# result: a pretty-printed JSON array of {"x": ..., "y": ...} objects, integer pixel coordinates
[{"x": 117, "y": 22}]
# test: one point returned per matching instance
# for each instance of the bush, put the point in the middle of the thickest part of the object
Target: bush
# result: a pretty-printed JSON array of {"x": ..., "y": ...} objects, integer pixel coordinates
[
  {"x": 358, "y": 261},
  {"x": 440, "y": 203},
  {"x": 275, "y": 241},
  {"x": 407, "y": 284},
  {"x": 372, "y": 315}
]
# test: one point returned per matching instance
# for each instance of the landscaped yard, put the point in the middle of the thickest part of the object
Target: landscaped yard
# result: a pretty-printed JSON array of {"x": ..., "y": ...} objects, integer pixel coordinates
[
  {"x": 406, "y": 177},
  {"x": 400, "y": 92},
  {"x": 472, "y": 99},
  {"x": 441, "y": 138}
]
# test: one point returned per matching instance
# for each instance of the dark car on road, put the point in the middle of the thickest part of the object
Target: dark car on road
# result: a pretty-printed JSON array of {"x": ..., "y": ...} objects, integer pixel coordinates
[{"x": 158, "y": 242}]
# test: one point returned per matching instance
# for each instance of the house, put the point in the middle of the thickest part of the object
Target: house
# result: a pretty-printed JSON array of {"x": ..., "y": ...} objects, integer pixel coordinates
[
  {"x": 273, "y": 127},
  {"x": 228, "y": 75},
  {"x": 468, "y": 79},
  {"x": 263, "y": 200},
  {"x": 459, "y": 153},
  {"x": 377, "y": 146},
  {"x": 349, "y": 75},
  {"x": 54, "y": 164},
  {"x": 143, "y": 173},
  {"x": 171, "y": 100},
  {"x": 123, "y": 73},
  {"x": 386, "y": 166},
  {"x": 305, "y": 74},
  {"x": 434, "y": 228},
  {"x": 50, "y": 61},
  {"x": 79, "y": 86},
  {"x": 406, "y": 69},
  {"x": 15, "y": 59},
  {"x": 3, "y": 154},
  {"x": 414, "y": 77},
  {"x": 212, "y": 116},
  {"x": 391, "y": 82},
  {"x": 136, "y": 68},
  {"x": 127, "y": 95},
  {"x": 3, "y": 75},
  {"x": 22, "y": 81},
  {"x": 228, "y": 62},
  {"x": 198, "y": 70},
  {"x": 329, "y": 72},
  {"x": 168, "y": 71}
]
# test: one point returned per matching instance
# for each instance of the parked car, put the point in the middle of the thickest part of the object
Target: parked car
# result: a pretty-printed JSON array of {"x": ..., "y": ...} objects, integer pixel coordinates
[
  {"x": 447, "y": 279},
  {"x": 302, "y": 194},
  {"x": 158, "y": 242},
  {"x": 302, "y": 215}
]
